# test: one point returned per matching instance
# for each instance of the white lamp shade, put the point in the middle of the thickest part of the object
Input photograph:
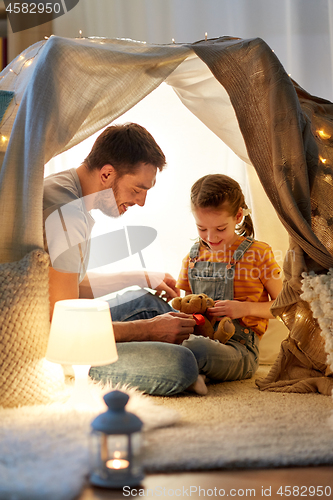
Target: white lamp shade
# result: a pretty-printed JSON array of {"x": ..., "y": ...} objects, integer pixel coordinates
[{"x": 82, "y": 333}]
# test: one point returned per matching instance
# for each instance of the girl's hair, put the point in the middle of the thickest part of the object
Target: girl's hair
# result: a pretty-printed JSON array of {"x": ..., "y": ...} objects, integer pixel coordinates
[{"x": 221, "y": 192}]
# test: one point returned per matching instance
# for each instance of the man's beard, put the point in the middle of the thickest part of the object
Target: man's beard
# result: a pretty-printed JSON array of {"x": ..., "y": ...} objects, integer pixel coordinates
[{"x": 106, "y": 201}]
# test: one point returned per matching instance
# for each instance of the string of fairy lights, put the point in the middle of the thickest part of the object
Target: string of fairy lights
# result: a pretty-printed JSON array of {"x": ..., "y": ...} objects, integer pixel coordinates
[
  {"x": 325, "y": 137},
  {"x": 15, "y": 69},
  {"x": 22, "y": 62}
]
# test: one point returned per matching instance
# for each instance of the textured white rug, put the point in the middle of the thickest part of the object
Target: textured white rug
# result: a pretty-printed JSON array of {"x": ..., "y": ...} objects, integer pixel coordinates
[{"x": 44, "y": 450}]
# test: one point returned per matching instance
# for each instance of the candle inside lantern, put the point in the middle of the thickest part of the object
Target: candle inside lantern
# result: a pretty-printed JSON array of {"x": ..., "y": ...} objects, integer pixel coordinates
[{"x": 117, "y": 463}]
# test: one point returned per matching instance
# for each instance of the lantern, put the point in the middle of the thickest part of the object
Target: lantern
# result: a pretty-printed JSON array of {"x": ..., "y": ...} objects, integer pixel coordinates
[{"x": 116, "y": 445}]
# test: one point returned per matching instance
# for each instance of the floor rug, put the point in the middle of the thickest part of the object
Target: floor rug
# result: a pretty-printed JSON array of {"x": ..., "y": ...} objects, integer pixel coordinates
[
  {"x": 237, "y": 426},
  {"x": 44, "y": 449}
]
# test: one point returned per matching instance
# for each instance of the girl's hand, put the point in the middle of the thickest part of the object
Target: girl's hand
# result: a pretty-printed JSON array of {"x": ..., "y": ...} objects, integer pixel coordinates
[{"x": 232, "y": 308}]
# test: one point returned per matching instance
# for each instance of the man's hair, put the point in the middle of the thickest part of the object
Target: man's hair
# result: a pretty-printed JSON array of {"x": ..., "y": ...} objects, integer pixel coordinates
[{"x": 125, "y": 147}]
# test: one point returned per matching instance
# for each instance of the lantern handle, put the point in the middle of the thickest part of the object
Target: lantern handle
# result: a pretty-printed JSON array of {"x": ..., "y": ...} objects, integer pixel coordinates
[{"x": 116, "y": 400}]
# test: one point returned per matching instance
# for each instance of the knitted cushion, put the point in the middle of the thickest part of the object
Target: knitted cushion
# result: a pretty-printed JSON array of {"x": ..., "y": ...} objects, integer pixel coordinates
[{"x": 25, "y": 377}]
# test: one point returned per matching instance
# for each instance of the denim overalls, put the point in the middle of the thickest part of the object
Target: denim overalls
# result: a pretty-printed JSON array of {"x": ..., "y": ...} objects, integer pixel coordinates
[{"x": 238, "y": 358}]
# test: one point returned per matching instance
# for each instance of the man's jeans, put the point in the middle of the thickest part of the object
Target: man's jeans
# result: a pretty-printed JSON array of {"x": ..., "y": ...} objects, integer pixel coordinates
[{"x": 156, "y": 368}]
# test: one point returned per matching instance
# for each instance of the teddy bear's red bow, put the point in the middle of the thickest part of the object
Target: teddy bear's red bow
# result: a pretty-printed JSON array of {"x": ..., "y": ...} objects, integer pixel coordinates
[{"x": 199, "y": 319}]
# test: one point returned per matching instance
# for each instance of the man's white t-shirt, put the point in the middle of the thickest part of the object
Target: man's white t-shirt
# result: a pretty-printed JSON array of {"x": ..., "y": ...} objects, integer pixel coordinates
[{"x": 67, "y": 223}]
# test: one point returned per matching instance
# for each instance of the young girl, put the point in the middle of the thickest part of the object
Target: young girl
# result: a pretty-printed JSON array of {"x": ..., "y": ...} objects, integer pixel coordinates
[{"x": 238, "y": 272}]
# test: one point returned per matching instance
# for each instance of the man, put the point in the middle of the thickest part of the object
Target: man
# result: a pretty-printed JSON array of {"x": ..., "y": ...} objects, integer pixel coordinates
[{"x": 117, "y": 174}]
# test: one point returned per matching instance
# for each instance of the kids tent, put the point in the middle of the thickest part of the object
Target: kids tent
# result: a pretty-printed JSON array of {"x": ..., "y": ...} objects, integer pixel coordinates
[{"x": 60, "y": 91}]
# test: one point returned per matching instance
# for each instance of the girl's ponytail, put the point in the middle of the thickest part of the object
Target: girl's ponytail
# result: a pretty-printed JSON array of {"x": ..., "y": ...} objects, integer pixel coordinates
[{"x": 246, "y": 227}]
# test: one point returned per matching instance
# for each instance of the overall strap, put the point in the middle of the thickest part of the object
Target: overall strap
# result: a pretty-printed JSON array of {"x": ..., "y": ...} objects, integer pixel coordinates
[
  {"x": 194, "y": 252},
  {"x": 241, "y": 249}
]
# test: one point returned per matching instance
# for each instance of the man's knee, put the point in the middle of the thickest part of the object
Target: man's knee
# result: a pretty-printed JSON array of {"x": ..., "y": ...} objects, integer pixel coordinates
[
  {"x": 156, "y": 368},
  {"x": 180, "y": 367},
  {"x": 138, "y": 304},
  {"x": 153, "y": 302}
]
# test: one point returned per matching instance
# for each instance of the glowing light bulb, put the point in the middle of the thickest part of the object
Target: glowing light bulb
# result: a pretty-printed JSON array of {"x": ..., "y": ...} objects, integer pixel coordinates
[
  {"x": 323, "y": 160},
  {"x": 323, "y": 134},
  {"x": 4, "y": 139},
  {"x": 28, "y": 62}
]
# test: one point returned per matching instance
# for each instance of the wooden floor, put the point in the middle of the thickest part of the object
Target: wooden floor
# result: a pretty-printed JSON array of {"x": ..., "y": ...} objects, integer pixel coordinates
[{"x": 276, "y": 484}]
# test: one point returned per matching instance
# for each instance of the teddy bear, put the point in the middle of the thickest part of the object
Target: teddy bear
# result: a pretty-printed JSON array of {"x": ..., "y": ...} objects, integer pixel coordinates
[{"x": 197, "y": 305}]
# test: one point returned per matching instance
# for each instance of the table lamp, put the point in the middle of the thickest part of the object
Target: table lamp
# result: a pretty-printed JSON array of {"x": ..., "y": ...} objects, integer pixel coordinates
[{"x": 81, "y": 335}]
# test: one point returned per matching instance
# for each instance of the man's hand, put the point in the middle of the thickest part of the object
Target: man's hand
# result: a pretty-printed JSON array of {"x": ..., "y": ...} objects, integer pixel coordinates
[
  {"x": 172, "y": 327},
  {"x": 164, "y": 284}
]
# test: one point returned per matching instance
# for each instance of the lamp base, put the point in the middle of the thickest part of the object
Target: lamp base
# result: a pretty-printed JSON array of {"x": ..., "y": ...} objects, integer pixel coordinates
[
  {"x": 82, "y": 397},
  {"x": 128, "y": 480}
]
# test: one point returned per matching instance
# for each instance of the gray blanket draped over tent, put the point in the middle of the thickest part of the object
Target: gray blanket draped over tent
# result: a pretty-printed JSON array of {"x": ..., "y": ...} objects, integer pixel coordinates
[{"x": 67, "y": 89}]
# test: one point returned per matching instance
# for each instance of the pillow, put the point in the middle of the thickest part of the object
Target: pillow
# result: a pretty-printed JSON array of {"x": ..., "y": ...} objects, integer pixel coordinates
[
  {"x": 318, "y": 292},
  {"x": 26, "y": 378}
]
